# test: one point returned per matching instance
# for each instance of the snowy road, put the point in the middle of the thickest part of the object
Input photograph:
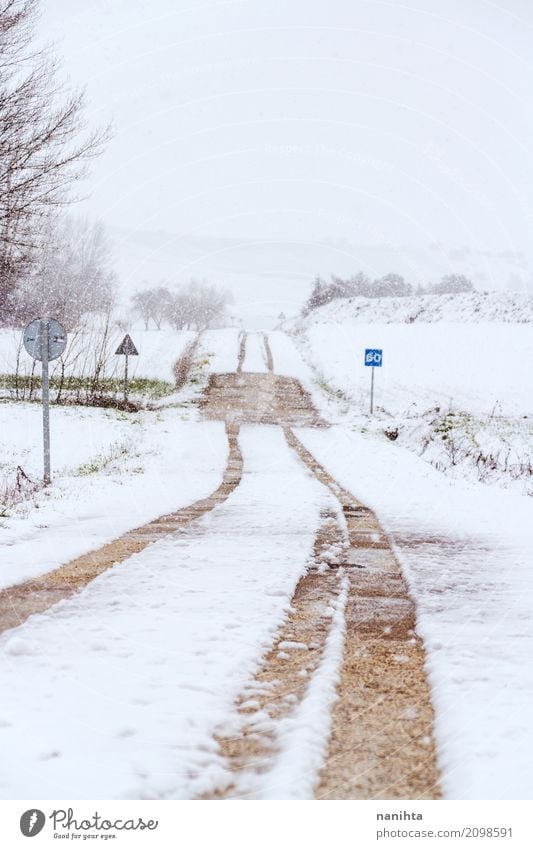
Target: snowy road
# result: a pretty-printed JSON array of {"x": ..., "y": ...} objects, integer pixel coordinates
[{"x": 143, "y": 676}]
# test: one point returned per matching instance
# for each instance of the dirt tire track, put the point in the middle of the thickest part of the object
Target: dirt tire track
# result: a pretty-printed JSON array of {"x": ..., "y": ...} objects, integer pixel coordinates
[
  {"x": 184, "y": 363},
  {"x": 19, "y": 602},
  {"x": 381, "y": 744},
  {"x": 282, "y": 680}
]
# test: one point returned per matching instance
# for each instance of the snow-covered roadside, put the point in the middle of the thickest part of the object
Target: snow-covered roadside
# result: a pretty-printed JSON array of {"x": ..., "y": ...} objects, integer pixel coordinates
[
  {"x": 158, "y": 351},
  {"x": 466, "y": 552},
  {"x": 486, "y": 445},
  {"x": 219, "y": 349},
  {"x": 79, "y": 436},
  {"x": 163, "y": 464},
  {"x": 134, "y": 674},
  {"x": 471, "y": 367}
]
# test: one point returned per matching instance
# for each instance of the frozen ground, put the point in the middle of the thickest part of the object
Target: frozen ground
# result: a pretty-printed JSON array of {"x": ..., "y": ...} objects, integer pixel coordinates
[
  {"x": 136, "y": 672},
  {"x": 111, "y": 473},
  {"x": 472, "y": 367}
]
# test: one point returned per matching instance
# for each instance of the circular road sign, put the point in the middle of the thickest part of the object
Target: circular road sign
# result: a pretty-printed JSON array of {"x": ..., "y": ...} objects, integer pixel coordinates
[{"x": 33, "y": 338}]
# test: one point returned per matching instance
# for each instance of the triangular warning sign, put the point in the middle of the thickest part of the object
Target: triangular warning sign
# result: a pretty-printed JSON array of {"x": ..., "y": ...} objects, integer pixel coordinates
[{"x": 127, "y": 347}]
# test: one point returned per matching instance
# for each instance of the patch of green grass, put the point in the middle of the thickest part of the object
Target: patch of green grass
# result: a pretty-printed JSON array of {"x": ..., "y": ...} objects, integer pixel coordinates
[
  {"x": 459, "y": 425},
  {"x": 331, "y": 390},
  {"x": 148, "y": 387},
  {"x": 97, "y": 464}
]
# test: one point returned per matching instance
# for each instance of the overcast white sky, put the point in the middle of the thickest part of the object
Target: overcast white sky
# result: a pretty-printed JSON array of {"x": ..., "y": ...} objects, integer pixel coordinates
[{"x": 404, "y": 123}]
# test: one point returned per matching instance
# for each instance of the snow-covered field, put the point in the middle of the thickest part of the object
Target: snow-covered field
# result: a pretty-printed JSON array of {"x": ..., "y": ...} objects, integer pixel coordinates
[
  {"x": 158, "y": 351},
  {"x": 112, "y": 472},
  {"x": 471, "y": 367},
  {"x": 139, "y": 670},
  {"x": 453, "y": 388}
]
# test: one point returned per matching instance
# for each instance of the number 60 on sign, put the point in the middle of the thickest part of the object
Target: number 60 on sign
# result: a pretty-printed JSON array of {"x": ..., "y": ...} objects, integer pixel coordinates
[{"x": 373, "y": 356}]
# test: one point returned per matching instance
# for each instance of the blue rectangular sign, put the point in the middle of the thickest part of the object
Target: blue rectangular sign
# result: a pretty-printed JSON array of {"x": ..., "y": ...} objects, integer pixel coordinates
[{"x": 373, "y": 356}]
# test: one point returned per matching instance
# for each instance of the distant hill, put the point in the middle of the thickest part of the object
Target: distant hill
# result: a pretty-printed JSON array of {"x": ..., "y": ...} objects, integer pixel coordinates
[{"x": 267, "y": 277}]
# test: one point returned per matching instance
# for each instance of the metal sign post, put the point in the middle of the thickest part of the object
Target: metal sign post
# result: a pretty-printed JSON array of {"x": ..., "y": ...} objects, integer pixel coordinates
[
  {"x": 126, "y": 349},
  {"x": 373, "y": 358},
  {"x": 46, "y": 403},
  {"x": 45, "y": 339}
]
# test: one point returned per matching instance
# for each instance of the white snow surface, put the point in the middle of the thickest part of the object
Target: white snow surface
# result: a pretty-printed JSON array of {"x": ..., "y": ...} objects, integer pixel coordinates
[
  {"x": 469, "y": 367},
  {"x": 466, "y": 552},
  {"x": 116, "y": 692},
  {"x": 78, "y": 434},
  {"x": 469, "y": 307},
  {"x": 288, "y": 359},
  {"x": 136, "y": 672},
  {"x": 221, "y": 349},
  {"x": 255, "y": 357},
  {"x": 159, "y": 464}
]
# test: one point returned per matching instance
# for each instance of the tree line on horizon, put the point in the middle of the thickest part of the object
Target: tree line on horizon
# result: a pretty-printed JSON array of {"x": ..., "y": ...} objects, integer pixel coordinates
[
  {"x": 390, "y": 285},
  {"x": 195, "y": 305}
]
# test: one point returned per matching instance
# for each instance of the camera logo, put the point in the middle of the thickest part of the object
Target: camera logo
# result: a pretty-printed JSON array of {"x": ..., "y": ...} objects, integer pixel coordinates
[{"x": 32, "y": 822}]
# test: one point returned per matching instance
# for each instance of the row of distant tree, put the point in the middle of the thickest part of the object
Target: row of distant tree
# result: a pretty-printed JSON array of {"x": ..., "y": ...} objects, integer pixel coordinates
[
  {"x": 193, "y": 306},
  {"x": 390, "y": 285}
]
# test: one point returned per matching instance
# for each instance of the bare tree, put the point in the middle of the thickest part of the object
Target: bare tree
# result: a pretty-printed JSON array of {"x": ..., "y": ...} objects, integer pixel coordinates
[
  {"x": 44, "y": 146},
  {"x": 197, "y": 306},
  {"x": 152, "y": 304},
  {"x": 72, "y": 276},
  {"x": 142, "y": 306},
  {"x": 392, "y": 285}
]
